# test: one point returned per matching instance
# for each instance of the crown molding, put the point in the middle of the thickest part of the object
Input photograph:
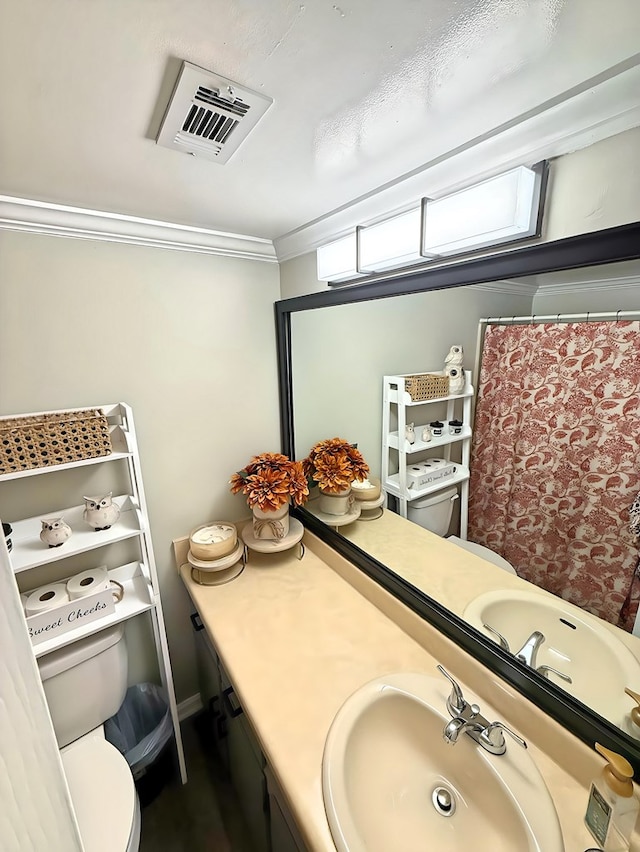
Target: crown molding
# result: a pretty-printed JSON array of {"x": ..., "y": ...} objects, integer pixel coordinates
[
  {"x": 58, "y": 220},
  {"x": 597, "y": 109},
  {"x": 589, "y": 285},
  {"x": 535, "y": 286},
  {"x": 510, "y": 287}
]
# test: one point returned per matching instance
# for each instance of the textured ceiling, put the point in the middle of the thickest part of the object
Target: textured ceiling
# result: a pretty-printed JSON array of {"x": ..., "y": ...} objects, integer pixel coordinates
[{"x": 364, "y": 92}]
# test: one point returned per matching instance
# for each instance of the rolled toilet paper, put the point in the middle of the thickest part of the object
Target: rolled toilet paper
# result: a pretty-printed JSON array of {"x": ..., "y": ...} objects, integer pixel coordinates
[
  {"x": 46, "y": 597},
  {"x": 88, "y": 582}
]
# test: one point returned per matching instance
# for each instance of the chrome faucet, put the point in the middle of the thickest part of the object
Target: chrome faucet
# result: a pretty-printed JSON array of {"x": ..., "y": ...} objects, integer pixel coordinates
[
  {"x": 528, "y": 654},
  {"x": 466, "y": 719},
  {"x": 460, "y": 725}
]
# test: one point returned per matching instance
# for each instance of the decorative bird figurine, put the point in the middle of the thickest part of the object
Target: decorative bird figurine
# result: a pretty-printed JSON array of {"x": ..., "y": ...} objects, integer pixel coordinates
[
  {"x": 54, "y": 532},
  {"x": 456, "y": 378},
  {"x": 100, "y": 512},
  {"x": 455, "y": 356},
  {"x": 454, "y": 369}
]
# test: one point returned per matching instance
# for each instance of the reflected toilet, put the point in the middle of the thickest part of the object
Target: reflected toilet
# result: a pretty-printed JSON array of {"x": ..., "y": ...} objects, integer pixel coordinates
[
  {"x": 85, "y": 684},
  {"x": 434, "y": 514}
]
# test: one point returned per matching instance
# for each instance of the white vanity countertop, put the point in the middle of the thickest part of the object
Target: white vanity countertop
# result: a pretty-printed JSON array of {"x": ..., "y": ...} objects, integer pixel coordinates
[{"x": 297, "y": 640}]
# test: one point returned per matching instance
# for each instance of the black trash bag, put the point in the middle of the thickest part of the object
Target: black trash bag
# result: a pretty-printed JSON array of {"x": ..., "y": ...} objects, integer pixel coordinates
[{"x": 142, "y": 726}]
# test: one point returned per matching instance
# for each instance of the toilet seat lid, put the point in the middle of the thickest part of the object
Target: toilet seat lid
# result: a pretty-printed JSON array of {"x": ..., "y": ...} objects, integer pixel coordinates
[
  {"x": 483, "y": 552},
  {"x": 102, "y": 792}
]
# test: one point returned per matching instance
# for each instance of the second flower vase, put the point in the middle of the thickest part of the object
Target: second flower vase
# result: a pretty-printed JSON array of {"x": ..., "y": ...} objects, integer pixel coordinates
[{"x": 335, "y": 504}]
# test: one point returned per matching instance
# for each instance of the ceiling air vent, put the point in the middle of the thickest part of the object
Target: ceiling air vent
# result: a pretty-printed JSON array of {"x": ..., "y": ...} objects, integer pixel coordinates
[{"x": 209, "y": 116}]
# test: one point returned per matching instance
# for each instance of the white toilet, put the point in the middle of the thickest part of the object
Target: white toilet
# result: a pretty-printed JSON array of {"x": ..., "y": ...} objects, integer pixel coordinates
[
  {"x": 85, "y": 683},
  {"x": 434, "y": 514}
]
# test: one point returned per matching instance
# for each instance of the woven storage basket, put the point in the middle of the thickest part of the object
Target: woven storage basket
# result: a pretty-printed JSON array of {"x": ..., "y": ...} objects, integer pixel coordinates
[
  {"x": 426, "y": 386},
  {"x": 44, "y": 440}
]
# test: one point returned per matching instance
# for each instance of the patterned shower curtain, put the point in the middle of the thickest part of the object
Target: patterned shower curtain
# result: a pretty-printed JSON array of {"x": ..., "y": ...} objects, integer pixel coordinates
[{"x": 555, "y": 459}]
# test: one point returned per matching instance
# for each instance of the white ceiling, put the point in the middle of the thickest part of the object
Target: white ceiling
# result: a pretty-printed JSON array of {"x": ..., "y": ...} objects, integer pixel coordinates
[{"x": 371, "y": 99}]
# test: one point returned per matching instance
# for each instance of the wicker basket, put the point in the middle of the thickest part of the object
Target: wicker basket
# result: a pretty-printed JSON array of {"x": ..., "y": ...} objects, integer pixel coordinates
[
  {"x": 44, "y": 440},
  {"x": 425, "y": 386}
]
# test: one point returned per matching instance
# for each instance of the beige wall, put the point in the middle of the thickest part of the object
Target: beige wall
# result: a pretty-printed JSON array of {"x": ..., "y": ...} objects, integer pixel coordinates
[
  {"x": 186, "y": 339},
  {"x": 595, "y": 188},
  {"x": 298, "y": 277},
  {"x": 340, "y": 355}
]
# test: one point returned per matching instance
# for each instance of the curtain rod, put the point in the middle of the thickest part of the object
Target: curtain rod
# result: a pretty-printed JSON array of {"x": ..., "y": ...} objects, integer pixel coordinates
[{"x": 583, "y": 317}]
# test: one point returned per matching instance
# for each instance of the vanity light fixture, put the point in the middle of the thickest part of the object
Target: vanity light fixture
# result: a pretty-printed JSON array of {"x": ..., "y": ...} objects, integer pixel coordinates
[
  {"x": 392, "y": 243},
  {"x": 495, "y": 211},
  {"x": 338, "y": 260}
]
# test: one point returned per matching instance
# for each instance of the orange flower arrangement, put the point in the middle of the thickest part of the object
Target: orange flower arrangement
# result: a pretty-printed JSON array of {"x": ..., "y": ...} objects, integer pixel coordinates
[
  {"x": 334, "y": 464},
  {"x": 270, "y": 480}
]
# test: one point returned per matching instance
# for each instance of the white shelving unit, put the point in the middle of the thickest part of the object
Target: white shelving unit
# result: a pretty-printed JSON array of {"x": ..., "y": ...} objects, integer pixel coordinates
[
  {"x": 398, "y": 409},
  {"x": 138, "y": 578}
]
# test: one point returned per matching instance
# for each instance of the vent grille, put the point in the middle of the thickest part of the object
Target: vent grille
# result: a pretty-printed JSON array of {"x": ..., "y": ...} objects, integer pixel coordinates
[{"x": 210, "y": 116}]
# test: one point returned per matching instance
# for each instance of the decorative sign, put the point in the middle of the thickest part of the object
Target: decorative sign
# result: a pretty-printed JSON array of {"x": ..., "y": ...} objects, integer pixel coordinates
[{"x": 68, "y": 616}]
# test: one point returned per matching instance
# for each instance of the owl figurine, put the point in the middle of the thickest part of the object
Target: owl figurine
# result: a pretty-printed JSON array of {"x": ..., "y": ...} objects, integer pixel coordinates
[
  {"x": 455, "y": 356},
  {"x": 456, "y": 378},
  {"x": 54, "y": 532},
  {"x": 100, "y": 512},
  {"x": 454, "y": 369}
]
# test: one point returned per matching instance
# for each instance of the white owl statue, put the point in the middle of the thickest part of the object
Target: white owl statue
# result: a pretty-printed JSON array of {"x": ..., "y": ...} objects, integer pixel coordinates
[
  {"x": 456, "y": 379},
  {"x": 100, "y": 512},
  {"x": 455, "y": 356},
  {"x": 54, "y": 532},
  {"x": 454, "y": 369}
]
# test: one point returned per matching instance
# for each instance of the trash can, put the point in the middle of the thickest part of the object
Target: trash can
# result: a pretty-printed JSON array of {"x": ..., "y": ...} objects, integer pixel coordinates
[{"x": 140, "y": 730}]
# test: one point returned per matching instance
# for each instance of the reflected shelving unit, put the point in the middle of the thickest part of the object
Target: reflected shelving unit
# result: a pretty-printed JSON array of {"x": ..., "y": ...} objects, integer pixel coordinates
[{"x": 398, "y": 455}]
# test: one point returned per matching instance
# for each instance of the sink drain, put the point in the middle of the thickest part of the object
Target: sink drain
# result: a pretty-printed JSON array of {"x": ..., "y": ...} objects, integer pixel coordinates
[{"x": 443, "y": 801}]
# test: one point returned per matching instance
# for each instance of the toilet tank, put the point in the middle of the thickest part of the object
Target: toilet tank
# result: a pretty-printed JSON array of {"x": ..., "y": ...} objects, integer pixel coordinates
[
  {"x": 434, "y": 512},
  {"x": 85, "y": 682}
]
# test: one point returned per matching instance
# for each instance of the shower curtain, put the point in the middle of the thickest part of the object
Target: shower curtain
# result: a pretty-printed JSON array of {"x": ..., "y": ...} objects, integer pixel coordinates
[{"x": 554, "y": 462}]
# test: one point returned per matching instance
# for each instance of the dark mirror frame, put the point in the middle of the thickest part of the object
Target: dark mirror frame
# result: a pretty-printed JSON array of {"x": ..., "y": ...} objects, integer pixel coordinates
[{"x": 607, "y": 246}]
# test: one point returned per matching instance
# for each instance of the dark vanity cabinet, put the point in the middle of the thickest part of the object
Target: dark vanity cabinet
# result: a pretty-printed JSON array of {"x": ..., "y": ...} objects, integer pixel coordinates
[
  {"x": 268, "y": 821},
  {"x": 210, "y": 682}
]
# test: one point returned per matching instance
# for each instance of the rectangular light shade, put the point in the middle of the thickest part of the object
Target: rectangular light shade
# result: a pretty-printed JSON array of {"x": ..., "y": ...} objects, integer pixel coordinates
[
  {"x": 392, "y": 243},
  {"x": 337, "y": 261},
  {"x": 497, "y": 210}
]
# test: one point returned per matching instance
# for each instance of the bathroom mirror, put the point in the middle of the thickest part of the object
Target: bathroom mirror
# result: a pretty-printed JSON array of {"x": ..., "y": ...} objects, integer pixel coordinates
[{"x": 335, "y": 347}]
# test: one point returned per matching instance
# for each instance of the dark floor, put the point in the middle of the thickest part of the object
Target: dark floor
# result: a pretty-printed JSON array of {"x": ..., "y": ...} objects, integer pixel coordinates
[{"x": 200, "y": 816}]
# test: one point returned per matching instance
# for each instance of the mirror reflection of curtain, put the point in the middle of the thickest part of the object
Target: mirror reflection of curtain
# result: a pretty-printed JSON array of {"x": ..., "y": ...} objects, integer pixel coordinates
[{"x": 554, "y": 463}]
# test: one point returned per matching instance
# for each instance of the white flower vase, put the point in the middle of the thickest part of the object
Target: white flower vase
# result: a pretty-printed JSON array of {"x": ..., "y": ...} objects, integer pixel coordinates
[
  {"x": 335, "y": 504},
  {"x": 272, "y": 525}
]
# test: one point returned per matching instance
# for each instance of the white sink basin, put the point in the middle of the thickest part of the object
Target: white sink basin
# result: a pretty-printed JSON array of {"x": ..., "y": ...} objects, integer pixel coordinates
[
  {"x": 384, "y": 758},
  {"x": 576, "y": 644}
]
